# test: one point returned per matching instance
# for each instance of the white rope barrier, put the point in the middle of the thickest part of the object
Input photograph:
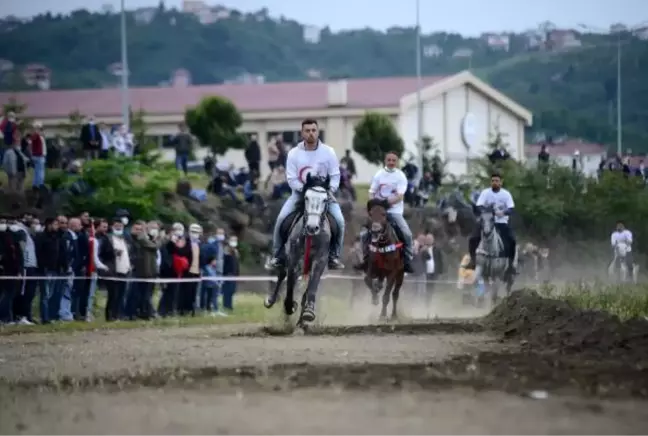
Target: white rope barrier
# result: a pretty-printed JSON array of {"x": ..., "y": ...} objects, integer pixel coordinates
[{"x": 247, "y": 278}]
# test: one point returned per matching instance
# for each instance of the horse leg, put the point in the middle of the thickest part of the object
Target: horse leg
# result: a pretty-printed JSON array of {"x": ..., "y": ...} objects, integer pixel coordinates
[
  {"x": 369, "y": 281},
  {"x": 386, "y": 297},
  {"x": 309, "y": 299},
  {"x": 289, "y": 301},
  {"x": 396, "y": 295},
  {"x": 271, "y": 298}
]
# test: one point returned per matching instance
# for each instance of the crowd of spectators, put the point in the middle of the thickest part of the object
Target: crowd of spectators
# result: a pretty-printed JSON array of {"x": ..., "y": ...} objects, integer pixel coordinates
[{"x": 63, "y": 261}]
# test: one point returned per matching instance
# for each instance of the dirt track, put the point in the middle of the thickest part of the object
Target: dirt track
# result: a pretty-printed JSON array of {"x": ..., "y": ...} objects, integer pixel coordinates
[{"x": 438, "y": 378}]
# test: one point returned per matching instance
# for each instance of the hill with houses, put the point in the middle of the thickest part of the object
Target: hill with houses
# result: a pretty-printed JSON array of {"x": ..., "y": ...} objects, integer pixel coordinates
[{"x": 567, "y": 78}]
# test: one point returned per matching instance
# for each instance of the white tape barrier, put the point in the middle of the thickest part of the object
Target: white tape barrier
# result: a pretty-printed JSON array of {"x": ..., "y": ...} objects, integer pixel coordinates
[{"x": 210, "y": 279}]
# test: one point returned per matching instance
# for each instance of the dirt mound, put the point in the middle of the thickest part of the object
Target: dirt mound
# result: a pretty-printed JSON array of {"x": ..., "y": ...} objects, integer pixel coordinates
[{"x": 558, "y": 326}]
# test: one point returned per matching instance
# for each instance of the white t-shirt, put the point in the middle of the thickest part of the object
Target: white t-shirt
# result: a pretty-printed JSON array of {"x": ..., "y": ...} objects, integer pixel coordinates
[
  {"x": 622, "y": 237},
  {"x": 321, "y": 162},
  {"x": 386, "y": 184},
  {"x": 501, "y": 199}
]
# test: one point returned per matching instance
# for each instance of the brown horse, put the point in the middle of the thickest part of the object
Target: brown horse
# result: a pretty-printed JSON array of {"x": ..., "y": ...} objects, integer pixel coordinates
[{"x": 385, "y": 260}]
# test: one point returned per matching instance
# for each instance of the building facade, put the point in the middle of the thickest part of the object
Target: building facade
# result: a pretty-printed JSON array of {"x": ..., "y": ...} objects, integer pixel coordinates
[{"x": 460, "y": 112}]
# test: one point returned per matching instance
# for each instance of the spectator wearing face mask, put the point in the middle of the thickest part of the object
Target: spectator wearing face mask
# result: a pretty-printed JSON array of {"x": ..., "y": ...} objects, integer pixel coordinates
[
  {"x": 25, "y": 298},
  {"x": 121, "y": 269},
  {"x": 11, "y": 265},
  {"x": 230, "y": 269},
  {"x": 140, "y": 304},
  {"x": 189, "y": 289},
  {"x": 211, "y": 249},
  {"x": 63, "y": 293},
  {"x": 176, "y": 258},
  {"x": 51, "y": 256}
]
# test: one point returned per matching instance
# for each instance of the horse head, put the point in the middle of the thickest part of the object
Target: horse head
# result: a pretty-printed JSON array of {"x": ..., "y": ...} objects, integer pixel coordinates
[
  {"x": 377, "y": 210},
  {"x": 315, "y": 199},
  {"x": 487, "y": 219}
]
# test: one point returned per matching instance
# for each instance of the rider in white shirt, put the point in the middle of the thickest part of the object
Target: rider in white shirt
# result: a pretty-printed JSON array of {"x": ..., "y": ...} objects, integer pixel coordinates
[
  {"x": 502, "y": 201},
  {"x": 390, "y": 184},
  {"x": 311, "y": 156},
  {"x": 622, "y": 236}
]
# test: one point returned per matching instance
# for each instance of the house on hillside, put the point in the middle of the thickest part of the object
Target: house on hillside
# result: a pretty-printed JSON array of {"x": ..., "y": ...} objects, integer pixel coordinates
[
  {"x": 563, "y": 40},
  {"x": 497, "y": 41},
  {"x": 642, "y": 33},
  {"x": 311, "y": 34},
  {"x": 432, "y": 51},
  {"x": 37, "y": 75},
  {"x": 180, "y": 78},
  {"x": 535, "y": 40},
  {"x": 144, "y": 15},
  {"x": 563, "y": 152},
  {"x": 201, "y": 10},
  {"x": 462, "y": 53}
]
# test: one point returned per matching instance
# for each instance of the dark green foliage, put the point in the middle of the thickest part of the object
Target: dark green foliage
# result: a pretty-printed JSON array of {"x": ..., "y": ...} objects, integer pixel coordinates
[
  {"x": 569, "y": 92},
  {"x": 215, "y": 121},
  {"x": 374, "y": 136}
]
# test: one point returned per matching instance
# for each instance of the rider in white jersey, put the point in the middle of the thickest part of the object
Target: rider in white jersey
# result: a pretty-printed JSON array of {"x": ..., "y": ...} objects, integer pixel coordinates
[
  {"x": 311, "y": 156},
  {"x": 390, "y": 184},
  {"x": 502, "y": 201},
  {"x": 623, "y": 236}
]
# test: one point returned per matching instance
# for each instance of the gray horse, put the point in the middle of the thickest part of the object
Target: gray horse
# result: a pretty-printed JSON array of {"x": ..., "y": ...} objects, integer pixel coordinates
[
  {"x": 306, "y": 249},
  {"x": 491, "y": 260}
]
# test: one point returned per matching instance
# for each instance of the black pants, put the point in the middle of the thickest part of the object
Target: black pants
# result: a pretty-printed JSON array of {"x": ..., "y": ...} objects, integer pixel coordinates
[
  {"x": 25, "y": 296},
  {"x": 9, "y": 289},
  {"x": 116, "y": 292},
  {"x": 187, "y": 295},
  {"x": 169, "y": 301},
  {"x": 506, "y": 233},
  {"x": 145, "y": 307},
  {"x": 254, "y": 168}
]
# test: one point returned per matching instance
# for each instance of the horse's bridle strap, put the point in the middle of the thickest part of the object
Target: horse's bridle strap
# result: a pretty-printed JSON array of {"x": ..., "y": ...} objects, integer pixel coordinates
[{"x": 386, "y": 249}]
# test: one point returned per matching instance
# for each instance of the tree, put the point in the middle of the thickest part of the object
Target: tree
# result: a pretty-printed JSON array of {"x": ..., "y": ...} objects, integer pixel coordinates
[
  {"x": 432, "y": 161},
  {"x": 215, "y": 121},
  {"x": 374, "y": 136}
]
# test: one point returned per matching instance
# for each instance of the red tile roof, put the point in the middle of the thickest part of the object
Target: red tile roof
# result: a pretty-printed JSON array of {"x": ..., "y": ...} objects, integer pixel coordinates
[
  {"x": 567, "y": 148},
  {"x": 361, "y": 93}
]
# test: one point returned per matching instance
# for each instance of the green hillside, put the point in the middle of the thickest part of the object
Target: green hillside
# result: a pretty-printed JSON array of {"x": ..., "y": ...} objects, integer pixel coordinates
[{"x": 570, "y": 93}]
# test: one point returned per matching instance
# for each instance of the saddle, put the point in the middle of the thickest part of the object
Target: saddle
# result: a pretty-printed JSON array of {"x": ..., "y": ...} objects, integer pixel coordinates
[{"x": 292, "y": 218}]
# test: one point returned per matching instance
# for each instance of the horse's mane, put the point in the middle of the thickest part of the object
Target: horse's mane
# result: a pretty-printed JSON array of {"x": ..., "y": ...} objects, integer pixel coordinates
[{"x": 377, "y": 202}]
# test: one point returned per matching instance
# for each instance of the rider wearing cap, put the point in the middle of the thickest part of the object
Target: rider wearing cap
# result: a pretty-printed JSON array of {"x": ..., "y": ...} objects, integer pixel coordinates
[
  {"x": 621, "y": 235},
  {"x": 502, "y": 202},
  {"x": 311, "y": 156}
]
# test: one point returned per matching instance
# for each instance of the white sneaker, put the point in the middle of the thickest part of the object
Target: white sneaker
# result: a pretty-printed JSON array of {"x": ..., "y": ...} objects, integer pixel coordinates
[
  {"x": 221, "y": 313},
  {"x": 24, "y": 321}
]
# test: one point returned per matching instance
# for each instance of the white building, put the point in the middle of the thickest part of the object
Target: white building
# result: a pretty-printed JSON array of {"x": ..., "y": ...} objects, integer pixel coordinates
[
  {"x": 312, "y": 34},
  {"x": 462, "y": 113}
]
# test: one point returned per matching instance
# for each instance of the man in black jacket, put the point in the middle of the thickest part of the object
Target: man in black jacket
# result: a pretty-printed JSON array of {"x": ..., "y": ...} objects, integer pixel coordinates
[
  {"x": 90, "y": 139},
  {"x": 11, "y": 265},
  {"x": 52, "y": 260},
  {"x": 253, "y": 155}
]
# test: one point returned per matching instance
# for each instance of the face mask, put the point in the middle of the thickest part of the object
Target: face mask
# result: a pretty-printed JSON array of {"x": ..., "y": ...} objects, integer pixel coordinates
[
  {"x": 117, "y": 232},
  {"x": 3, "y": 227},
  {"x": 154, "y": 233},
  {"x": 233, "y": 244},
  {"x": 124, "y": 221},
  {"x": 211, "y": 240},
  {"x": 220, "y": 237},
  {"x": 195, "y": 236},
  {"x": 14, "y": 227},
  {"x": 178, "y": 233},
  {"x": 37, "y": 228}
]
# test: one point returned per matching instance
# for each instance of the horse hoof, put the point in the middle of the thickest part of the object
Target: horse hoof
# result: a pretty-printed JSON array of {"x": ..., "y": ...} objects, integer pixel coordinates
[
  {"x": 289, "y": 309},
  {"x": 295, "y": 306},
  {"x": 308, "y": 316},
  {"x": 269, "y": 302}
]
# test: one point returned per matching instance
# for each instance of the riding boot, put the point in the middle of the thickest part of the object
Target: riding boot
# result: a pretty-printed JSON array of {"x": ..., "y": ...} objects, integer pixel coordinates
[
  {"x": 472, "y": 249},
  {"x": 407, "y": 265}
]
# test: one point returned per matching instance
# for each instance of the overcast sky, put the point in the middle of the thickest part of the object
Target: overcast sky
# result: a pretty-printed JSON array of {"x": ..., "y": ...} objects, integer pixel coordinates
[{"x": 468, "y": 17}]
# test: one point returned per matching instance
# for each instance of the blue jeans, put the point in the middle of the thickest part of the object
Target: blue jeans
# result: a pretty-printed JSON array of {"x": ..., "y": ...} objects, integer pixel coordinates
[
  {"x": 398, "y": 220},
  {"x": 39, "y": 171},
  {"x": 47, "y": 290},
  {"x": 228, "y": 289},
  {"x": 66, "y": 290},
  {"x": 181, "y": 161},
  {"x": 289, "y": 206}
]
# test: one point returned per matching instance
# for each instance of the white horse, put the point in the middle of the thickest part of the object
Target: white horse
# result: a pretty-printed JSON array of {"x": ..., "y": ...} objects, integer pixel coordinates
[{"x": 618, "y": 268}]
